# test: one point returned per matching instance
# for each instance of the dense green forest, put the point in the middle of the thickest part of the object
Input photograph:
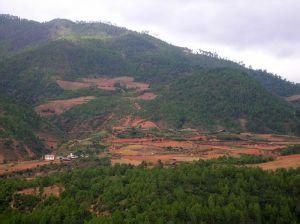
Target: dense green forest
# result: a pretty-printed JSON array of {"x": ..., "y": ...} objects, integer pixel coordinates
[
  {"x": 201, "y": 192},
  {"x": 69, "y": 50},
  {"x": 222, "y": 97},
  {"x": 18, "y": 125}
]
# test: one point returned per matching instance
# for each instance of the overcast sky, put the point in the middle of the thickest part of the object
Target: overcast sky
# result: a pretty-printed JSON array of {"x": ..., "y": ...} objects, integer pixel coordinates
[{"x": 262, "y": 33}]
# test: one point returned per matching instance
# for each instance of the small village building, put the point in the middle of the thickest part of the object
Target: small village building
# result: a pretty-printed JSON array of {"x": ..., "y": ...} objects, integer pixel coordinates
[
  {"x": 72, "y": 156},
  {"x": 49, "y": 157}
]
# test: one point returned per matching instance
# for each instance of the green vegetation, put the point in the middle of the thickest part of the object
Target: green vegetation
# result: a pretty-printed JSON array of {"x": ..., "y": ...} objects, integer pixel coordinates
[
  {"x": 101, "y": 112},
  {"x": 222, "y": 97},
  {"x": 290, "y": 150},
  {"x": 275, "y": 83},
  {"x": 201, "y": 192},
  {"x": 244, "y": 159},
  {"x": 132, "y": 132},
  {"x": 90, "y": 146},
  {"x": 198, "y": 90},
  {"x": 18, "y": 124}
]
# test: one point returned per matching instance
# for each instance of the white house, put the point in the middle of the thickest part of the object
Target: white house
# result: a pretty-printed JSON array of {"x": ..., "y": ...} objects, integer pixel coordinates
[
  {"x": 49, "y": 157},
  {"x": 72, "y": 156}
]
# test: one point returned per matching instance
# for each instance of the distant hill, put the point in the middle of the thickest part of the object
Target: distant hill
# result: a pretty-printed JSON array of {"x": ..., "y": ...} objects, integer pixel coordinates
[{"x": 193, "y": 90}]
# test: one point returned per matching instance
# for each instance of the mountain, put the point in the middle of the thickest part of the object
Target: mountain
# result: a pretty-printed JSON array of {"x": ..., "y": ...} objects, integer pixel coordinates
[
  {"x": 227, "y": 98},
  {"x": 84, "y": 77}
]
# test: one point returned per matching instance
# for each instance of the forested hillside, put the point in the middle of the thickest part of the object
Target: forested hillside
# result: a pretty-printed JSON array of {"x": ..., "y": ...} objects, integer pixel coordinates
[
  {"x": 19, "y": 126},
  {"x": 194, "y": 90},
  {"x": 201, "y": 192},
  {"x": 226, "y": 98}
]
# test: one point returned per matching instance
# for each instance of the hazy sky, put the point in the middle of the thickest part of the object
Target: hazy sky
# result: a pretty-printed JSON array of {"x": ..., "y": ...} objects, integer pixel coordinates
[{"x": 262, "y": 33}]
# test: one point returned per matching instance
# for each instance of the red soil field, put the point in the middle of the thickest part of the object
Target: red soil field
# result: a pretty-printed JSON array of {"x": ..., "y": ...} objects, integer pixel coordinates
[
  {"x": 151, "y": 149},
  {"x": 291, "y": 161},
  {"x": 104, "y": 83},
  {"x": 19, "y": 166},
  {"x": 60, "y": 106}
]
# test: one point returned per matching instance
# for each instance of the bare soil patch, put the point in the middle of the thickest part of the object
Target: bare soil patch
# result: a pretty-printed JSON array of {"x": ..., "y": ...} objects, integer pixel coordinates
[
  {"x": 291, "y": 161},
  {"x": 110, "y": 83},
  {"x": 138, "y": 159},
  {"x": 145, "y": 96},
  {"x": 135, "y": 122},
  {"x": 104, "y": 83},
  {"x": 54, "y": 190},
  {"x": 69, "y": 85},
  {"x": 24, "y": 165},
  {"x": 60, "y": 106},
  {"x": 293, "y": 98},
  {"x": 152, "y": 149}
]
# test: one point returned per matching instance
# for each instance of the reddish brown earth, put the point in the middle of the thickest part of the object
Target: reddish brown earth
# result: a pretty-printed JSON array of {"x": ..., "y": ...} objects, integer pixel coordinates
[
  {"x": 60, "y": 106},
  {"x": 19, "y": 166},
  {"x": 69, "y": 85},
  {"x": 135, "y": 122},
  {"x": 101, "y": 83},
  {"x": 151, "y": 149},
  {"x": 145, "y": 96},
  {"x": 109, "y": 83},
  {"x": 138, "y": 159},
  {"x": 293, "y": 98},
  {"x": 291, "y": 161},
  {"x": 54, "y": 190},
  {"x": 104, "y": 83},
  {"x": 194, "y": 147}
]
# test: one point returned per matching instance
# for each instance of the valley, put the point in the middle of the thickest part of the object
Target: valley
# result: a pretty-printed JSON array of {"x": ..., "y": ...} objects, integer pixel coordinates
[
  {"x": 101, "y": 124},
  {"x": 139, "y": 141}
]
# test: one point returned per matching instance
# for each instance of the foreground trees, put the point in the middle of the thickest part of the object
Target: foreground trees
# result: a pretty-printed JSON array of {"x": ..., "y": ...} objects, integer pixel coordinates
[{"x": 202, "y": 192}]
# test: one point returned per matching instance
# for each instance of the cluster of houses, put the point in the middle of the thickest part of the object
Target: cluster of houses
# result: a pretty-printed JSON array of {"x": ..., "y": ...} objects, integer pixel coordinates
[{"x": 52, "y": 157}]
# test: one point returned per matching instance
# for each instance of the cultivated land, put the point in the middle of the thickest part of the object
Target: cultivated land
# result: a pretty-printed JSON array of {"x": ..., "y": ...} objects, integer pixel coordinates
[
  {"x": 22, "y": 165},
  {"x": 172, "y": 147},
  {"x": 133, "y": 139},
  {"x": 290, "y": 161},
  {"x": 197, "y": 146},
  {"x": 104, "y": 83},
  {"x": 60, "y": 106}
]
